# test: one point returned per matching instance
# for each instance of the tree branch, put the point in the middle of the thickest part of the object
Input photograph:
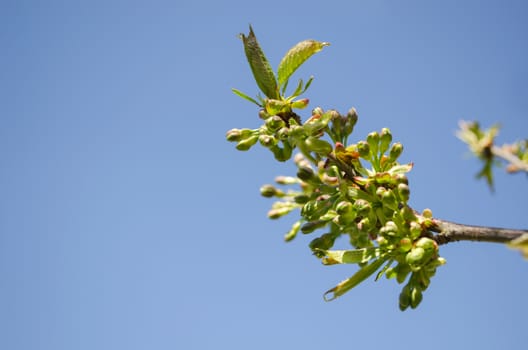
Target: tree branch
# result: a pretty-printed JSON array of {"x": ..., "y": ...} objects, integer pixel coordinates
[{"x": 452, "y": 232}]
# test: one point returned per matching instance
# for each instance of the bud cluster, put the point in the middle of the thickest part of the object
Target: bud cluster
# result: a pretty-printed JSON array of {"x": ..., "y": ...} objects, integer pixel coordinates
[{"x": 359, "y": 191}]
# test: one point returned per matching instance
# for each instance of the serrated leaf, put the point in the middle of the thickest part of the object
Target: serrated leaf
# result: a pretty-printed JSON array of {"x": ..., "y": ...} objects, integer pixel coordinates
[
  {"x": 244, "y": 96},
  {"x": 296, "y": 56},
  {"x": 260, "y": 66},
  {"x": 353, "y": 281}
]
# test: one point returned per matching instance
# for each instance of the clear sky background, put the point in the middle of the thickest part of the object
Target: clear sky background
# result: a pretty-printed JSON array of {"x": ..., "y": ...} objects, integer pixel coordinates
[{"x": 128, "y": 222}]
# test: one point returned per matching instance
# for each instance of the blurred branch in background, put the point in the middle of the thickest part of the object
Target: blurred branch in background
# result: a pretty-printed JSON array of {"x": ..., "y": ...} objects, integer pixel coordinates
[{"x": 482, "y": 144}]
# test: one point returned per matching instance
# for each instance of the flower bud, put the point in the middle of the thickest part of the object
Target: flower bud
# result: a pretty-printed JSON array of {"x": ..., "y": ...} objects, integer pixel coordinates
[
  {"x": 276, "y": 213},
  {"x": 301, "y": 198},
  {"x": 415, "y": 229},
  {"x": 282, "y": 154},
  {"x": 311, "y": 226},
  {"x": 305, "y": 173},
  {"x": 293, "y": 231},
  {"x": 351, "y": 120},
  {"x": 404, "y": 191},
  {"x": 385, "y": 140},
  {"x": 429, "y": 246},
  {"x": 361, "y": 206},
  {"x": 363, "y": 149},
  {"x": 395, "y": 151},
  {"x": 427, "y": 213},
  {"x": 416, "y": 297},
  {"x": 373, "y": 141},
  {"x": 245, "y": 144},
  {"x": 267, "y": 140},
  {"x": 405, "y": 245},
  {"x": 235, "y": 135},
  {"x": 274, "y": 123},
  {"x": 405, "y": 298},
  {"x": 300, "y": 104},
  {"x": 317, "y": 111},
  {"x": 415, "y": 257},
  {"x": 263, "y": 114},
  {"x": 344, "y": 208},
  {"x": 274, "y": 107},
  {"x": 324, "y": 242},
  {"x": 268, "y": 191}
]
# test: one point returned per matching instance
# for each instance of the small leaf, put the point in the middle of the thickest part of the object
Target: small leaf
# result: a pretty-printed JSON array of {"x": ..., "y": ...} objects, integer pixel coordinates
[
  {"x": 521, "y": 244},
  {"x": 244, "y": 96},
  {"x": 260, "y": 66},
  {"x": 296, "y": 56},
  {"x": 355, "y": 256},
  {"x": 353, "y": 281}
]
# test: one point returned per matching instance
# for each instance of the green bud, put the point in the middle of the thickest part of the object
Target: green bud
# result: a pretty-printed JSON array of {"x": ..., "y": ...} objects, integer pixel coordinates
[
  {"x": 283, "y": 133},
  {"x": 286, "y": 180},
  {"x": 344, "y": 208},
  {"x": 363, "y": 149},
  {"x": 382, "y": 241},
  {"x": 389, "y": 229},
  {"x": 246, "y": 144},
  {"x": 361, "y": 206},
  {"x": 311, "y": 226},
  {"x": 274, "y": 107},
  {"x": 276, "y": 213},
  {"x": 306, "y": 173},
  {"x": 293, "y": 231},
  {"x": 324, "y": 242},
  {"x": 267, "y": 140},
  {"x": 282, "y": 154},
  {"x": 416, "y": 297},
  {"x": 364, "y": 225},
  {"x": 429, "y": 246},
  {"x": 380, "y": 191},
  {"x": 274, "y": 123},
  {"x": 263, "y": 114},
  {"x": 405, "y": 245},
  {"x": 427, "y": 213},
  {"x": 318, "y": 146},
  {"x": 405, "y": 298},
  {"x": 269, "y": 191},
  {"x": 351, "y": 120},
  {"x": 395, "y": 151},
  {"x": 385, "y": 140},
  {"x": 416, "y": 229},
  {"x": 373, "y": 141},
  {"x": 235, "y": 135},
  {"x": 300, "y": 104},
  {"x": 301, "y": 198},
  {"x": 317, "y": 111},
  {"x": 404, "y": 192},
  {"x": 415, "y": 257}
]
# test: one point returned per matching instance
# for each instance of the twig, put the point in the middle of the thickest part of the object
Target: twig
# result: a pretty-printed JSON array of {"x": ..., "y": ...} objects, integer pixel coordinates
[{"x": 452, "y": 232}]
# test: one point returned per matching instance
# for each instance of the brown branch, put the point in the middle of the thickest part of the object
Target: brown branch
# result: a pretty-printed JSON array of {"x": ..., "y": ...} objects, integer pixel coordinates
[{"x": 452, "y": 232}]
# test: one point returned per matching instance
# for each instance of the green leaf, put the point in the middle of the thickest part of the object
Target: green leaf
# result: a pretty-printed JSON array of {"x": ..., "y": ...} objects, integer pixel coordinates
[
  {"x": 244, "y": 96},
  {"x": 260, "y": 66},
  {"x": 355, "y": 256},
  {"x": 353, "y": 281},
  {"x": 296, "y": 56}
]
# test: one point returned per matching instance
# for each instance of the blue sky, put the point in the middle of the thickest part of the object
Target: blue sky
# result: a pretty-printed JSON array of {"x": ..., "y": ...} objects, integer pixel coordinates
[{"x": 128, "y": 222}]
